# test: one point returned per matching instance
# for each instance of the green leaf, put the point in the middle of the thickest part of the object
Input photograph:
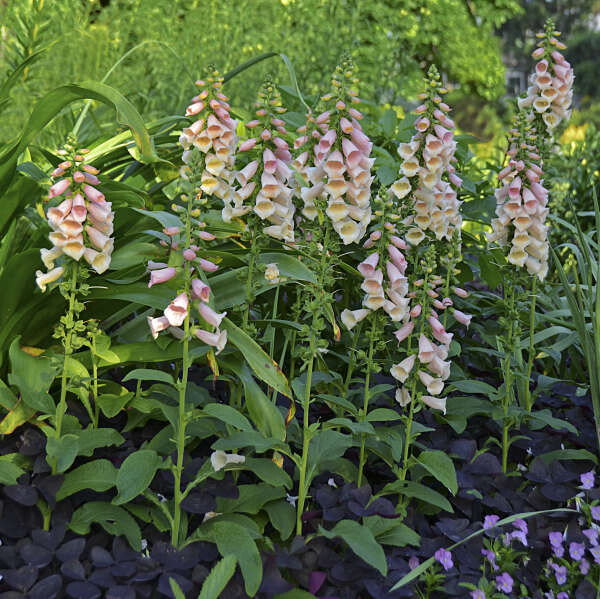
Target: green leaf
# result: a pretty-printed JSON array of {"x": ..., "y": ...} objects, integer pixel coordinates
[
  {"x": 268, "y": 471},
  {"x": 568, "y": 454},
  {"x": 399, "y": 536},
  {"x": 98, "y": 475},
  {"x": 33, "y": 377},
  {"x": 263, "y": 366},
  {"x": 93, "y": 438},
  {"x": 473, "y": 386},
  {"x": 289, "y": 266},
  {"x": 282, "y": 516},
  {"x": 219, "y": 576},
  {"x": 147, "y": 374},
  {"x": 361, "y": 540},
  {"x": 248, "y": 439},
  {"x": 233, "y": 539},
  {"x": 545, "y": 416},
  {"x": 325, "y": 445},
  {"x": 228, "y": 415},
  {"x": 9, "y": 471},
  {"x": 262, "y": 411},
  {"x": 53, "y": 102},
  {"x": 111, "y": 404},
  {"x": 491, "y": 272},
  {"x": 251, "y": 499},
  {"x": 136, "y": 474},
  {"x": 389, "y": 121},
  {"x": 295, "y": 594},
  {"x": 383, "y": 415},
  {"x": 176, "y": 589},
  {"x": 115, "y": 520},
  {"x": 63, "y": 450},
  {"x": 441, "y": 467},
  {"x": 418, "y": 491}
]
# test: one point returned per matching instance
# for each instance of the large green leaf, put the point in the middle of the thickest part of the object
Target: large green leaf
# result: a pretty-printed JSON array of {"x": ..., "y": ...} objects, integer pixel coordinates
[
  {"x": 289, "y": 266},
  {"x": 233, "y": 539},
  {"x": 97, "y": 475},
  {"x": 441, "y": 467},
  {"x": 9, "y": 470},
  {"x": 219, "y": 576},
  {"x": 361, "y": 540},
  {"x": 33, "y": 377},
  {"x": 136, "y": 474},
  {"x": 53, "y": 102},
  {"x": 263, "y": 366},
  {"x": 115, "y": 520}
]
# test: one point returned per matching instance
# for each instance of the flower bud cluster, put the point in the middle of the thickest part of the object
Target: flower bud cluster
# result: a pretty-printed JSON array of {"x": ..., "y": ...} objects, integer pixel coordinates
[
  {"x": 551, "y": 91},
  {"x": 214, "y": 135},
  {"x": 336, "y": 161},
  {"x": 82, "y": 223},
  {"x": 267, "y": 181},
  {"x": 427, "y": 172},
  {"x": 522, "y": 203}
]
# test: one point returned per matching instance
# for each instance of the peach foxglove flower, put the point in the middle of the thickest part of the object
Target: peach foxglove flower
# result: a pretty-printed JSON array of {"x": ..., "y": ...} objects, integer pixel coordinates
[
  {"x": 157, "y": 325},
  {"x": 210, "y": 316},
  {"x": 177, "y": 310},
  {"x": 436, "y": 403},
  {"x": 403, "y": 396},
  {"x": 200, "y": 290},
  {"x": 351, "y": 318},
  {"x": 217, "y": 340},
  {"x": 402, "y": 370},
  {"x": 161, "y": 275},
  {"x": 43, "y": 279}
]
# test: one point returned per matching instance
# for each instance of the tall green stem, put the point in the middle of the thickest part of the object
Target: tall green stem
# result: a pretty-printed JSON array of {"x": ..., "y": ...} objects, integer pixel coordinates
[
  {"x": 302, "y": 486},
  {"x": 68, "y": 328},
  {"x": 251, "y": 264},
  {"x": 530, "y": 356},
  {"x": 362, "y": 458},
  {"x": 95, "y": 383},
  {"x": 407, "y": 440},
  {"x": 182, "y": 384},
  {"x": 507, "y": 378}
]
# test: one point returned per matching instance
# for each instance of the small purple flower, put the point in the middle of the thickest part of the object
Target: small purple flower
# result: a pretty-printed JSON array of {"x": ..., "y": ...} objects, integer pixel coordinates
[
  {"x": 587, "y": 480},
  {"x": 444, "y": 557},
  {"x": 490, "y": 521},
  {"x": 562, "y": 595},
  {"x": 504, "y": 582},
  {"x": 561, "y": 574},
  {"x": 477, "y": 594},
  {"x": 556, "y": 539},
  {"x": 520, "y": 536},
  {"x": 584, "y": 566},
  {"x": 413, "y": 562},
  {"x": 592, "y": 535},
  {"x": 491, "y": 557},
  {"x": 576, "y": 551},
  {"x": 521, "y": 525},
  {"x": 595, "y": 510},
  {"x": 595, "y": 551}
]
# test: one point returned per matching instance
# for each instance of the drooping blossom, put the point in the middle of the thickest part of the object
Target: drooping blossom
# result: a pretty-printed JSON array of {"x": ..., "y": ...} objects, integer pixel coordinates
[
  {"x": 335, "y": 161},
  {"x": 82, "y": 223},
  {"x": 219, "y": 459},
  {"x": 550, "y": 93}
]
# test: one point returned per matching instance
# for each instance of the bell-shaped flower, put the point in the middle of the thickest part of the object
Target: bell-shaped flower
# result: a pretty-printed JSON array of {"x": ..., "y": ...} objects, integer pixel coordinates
[
  {"x": 436, "y": 403},
  {"x": 403, "y": 396},
  {"x": 402, "y": 370},
  {"x": 161, "y": 275},
  {"x": 217, "y": 340},
  {"x": 351, "y": 318},
  {"x": 426, "y": 350},
  {"x": 200, "y": 290},
  {"x": 177, "y": 310},
  {"x": 219, "y": 459},
  {"x": 210, "y": 316},
  {"x": 405, "y": 330},
  {"x": 43, "y": 279},
  {"x": 434, "y": 386},
  {"x": 157, "y": 325}
]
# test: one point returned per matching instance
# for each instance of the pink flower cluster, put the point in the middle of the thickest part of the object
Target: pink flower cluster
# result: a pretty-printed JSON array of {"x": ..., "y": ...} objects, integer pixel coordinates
[
  {"x": 430, "y": 360},
  {"x": 428, "y": 175},
  {"x": 551, "y": 91},
  {"x": 213, "y": 134},
  {"x": 338, "y": 165},
  {"x": 176, "y": 312},
  {"x": 82, "y": 224},
  {"x": 270, "y": 172},
  {"x": 522, "y": 206}
]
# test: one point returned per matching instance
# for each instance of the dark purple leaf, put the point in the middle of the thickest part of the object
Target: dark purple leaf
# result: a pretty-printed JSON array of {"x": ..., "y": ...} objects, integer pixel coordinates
[
  {"x": 83, "y": 590},
  {"x": 22, "y": 494}
]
